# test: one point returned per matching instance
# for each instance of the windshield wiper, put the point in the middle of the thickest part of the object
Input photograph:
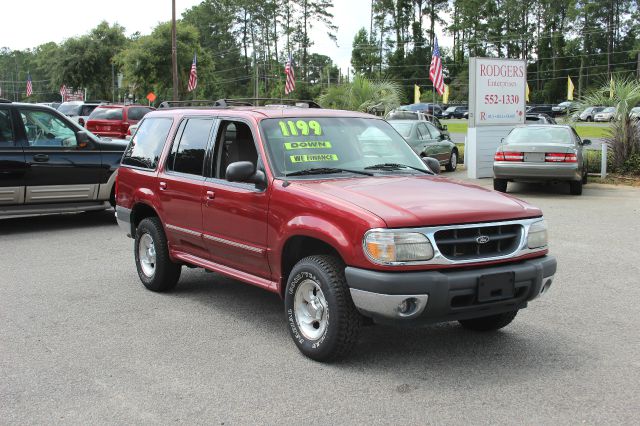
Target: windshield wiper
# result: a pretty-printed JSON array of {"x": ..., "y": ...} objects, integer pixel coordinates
[
  {"x": 326, "y": 170},
  {"x": 396, "y": 166}
]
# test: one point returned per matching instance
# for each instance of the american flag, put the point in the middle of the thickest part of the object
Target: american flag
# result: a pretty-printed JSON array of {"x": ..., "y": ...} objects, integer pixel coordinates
[
  {"x": 435, "y": 70},
  {"x": 29, "y": 85},
  {"x": 290, "y": 84},
  {"x": 193, "y": 76},
  {"x": 63, "y": 92}
]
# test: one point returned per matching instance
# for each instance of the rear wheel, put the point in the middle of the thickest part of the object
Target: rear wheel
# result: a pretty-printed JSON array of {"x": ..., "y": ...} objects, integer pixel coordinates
[
  {"x": 589, "y": 119},
  {"x": 491, "y": 323},
  {"x": 500, "y": 185},
  {"x": 453, "y": 161},
  {"x": 575, "y": 187},
  {"x": 155, "y": 269}
]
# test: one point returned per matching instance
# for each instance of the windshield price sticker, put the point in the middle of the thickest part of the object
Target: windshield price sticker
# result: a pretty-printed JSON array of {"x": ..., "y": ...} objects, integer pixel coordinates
[
  {"x": 307, "y": 145},
  {"x": 312, "y": 158},
  {"x": 300, "y": 127}
]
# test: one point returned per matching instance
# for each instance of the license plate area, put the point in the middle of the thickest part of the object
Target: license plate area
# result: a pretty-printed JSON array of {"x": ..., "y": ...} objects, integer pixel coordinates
[
  {"x": 534, "y": 157},
  {"x": 493, "y": 287}
]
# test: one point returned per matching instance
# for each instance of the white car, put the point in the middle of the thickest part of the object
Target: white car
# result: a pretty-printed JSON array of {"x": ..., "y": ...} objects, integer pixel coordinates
[
  {"x": 607, "y": 114},
  {"x": 78, "y": 111},
  {"x": 634, "y": 114}
]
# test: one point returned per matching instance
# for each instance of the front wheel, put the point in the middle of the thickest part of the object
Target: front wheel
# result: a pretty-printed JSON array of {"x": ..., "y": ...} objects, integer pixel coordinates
[
  {"x": 323, "y": 320},
  {"x": 500, "y": 185},
  {"x": 453, "y": 161},
  {"x": 491, "y": 323},
  {"x": 155, "y": 269}
]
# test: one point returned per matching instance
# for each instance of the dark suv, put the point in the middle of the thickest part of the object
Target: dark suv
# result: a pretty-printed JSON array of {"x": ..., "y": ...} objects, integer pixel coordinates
[
  {"x": 49, "y": 164},
  {"x": 331, "y": 210}
]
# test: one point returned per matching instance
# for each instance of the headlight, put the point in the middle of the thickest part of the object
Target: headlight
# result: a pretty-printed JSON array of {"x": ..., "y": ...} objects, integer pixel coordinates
[
  {"x": 537, "y": 237},
  {"x": 390, "y": 247}
]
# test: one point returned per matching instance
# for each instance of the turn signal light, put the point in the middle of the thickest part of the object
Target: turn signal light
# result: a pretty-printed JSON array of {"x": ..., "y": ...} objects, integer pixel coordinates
[
  {"x": 508, "y": 156},
  {"x": 560, "y": 157}
]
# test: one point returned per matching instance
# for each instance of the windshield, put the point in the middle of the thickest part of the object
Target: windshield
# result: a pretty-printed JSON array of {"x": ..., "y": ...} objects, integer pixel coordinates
[
  {"x": 635, "y": 109},
  {"x": 403, "y": 128},
  {"x": 451, "y": 109},
  {"x": 70, "y": 109},
  {"x": 610, "y": 109},
  {"x": 539, "y": 135},
  {"x": 296, "y": 144}
]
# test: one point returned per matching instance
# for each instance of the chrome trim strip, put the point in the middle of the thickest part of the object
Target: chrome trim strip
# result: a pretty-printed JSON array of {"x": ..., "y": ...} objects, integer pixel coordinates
[
  {"x": 10, "y": 195},
  {"x": 439, "y": 259},
  {"x": 184, "y": 230},
  {"x": 386, "y": 305},
  {"x": 234, "y": 244}
]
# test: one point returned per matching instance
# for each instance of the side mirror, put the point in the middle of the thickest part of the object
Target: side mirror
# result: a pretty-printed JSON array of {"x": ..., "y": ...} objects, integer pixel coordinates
[
  {"x": 586, "y": 142},
  {"x": 432, "y": 164},
  {"x": 245, "y": 171},
  {"x": 82, "y": 138}
]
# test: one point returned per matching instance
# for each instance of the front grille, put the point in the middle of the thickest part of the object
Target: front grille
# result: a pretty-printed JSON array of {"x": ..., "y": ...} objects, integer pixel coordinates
[{"x": 467, "y": 243}]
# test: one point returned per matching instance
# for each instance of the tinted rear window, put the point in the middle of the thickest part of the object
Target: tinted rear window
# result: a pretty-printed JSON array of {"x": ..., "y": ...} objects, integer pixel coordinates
[
  {"x": 106, "y": 114},
  {"x": 136, "y": 113},
  {"x": 145, "y": 148}
]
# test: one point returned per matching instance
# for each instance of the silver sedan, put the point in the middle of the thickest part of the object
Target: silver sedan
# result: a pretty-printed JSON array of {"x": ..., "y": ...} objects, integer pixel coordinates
[{"x": 541, "y": 153}]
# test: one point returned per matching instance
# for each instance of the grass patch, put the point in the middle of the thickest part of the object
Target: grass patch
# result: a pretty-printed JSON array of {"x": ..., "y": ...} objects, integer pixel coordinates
[{"x": 585, "y": 131}]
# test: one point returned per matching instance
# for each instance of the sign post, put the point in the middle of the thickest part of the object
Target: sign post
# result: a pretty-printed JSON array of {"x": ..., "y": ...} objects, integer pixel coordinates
[{"x": 496, "y": 104}]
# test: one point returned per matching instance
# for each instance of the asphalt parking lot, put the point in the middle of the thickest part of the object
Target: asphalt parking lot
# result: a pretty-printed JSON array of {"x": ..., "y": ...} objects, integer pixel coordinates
[{"x": 83, "y": 342}]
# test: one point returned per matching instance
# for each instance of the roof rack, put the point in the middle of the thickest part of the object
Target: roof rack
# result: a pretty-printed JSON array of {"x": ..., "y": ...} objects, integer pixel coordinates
[{"x": 247, "y": 102}]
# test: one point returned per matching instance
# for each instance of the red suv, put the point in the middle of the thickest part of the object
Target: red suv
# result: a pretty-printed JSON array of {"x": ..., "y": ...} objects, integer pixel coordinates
[
  {"x": 114, "y": 120},
  {"x": 334, "y": 212}
]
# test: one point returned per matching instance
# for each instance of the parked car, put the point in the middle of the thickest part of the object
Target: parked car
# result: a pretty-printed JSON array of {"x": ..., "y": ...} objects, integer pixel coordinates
[
  {"x": 607, "y": 114},
  {"x": 589, "y": 113},
  {"x": 53, "y": 105},
  {"x": 303, "y": 203},
  {"x": 79, "y": 111},
  {"x": 425, "y": 108},
  {"x": 563, "y": 108},
  {"x": 538, "y": 119},
  {"x": 398, "y": 114},
  {"x": 114, "y": 120},
  {"x": 131, "y": 131},
  {"x": 50, "y": 164},
  {"x": 427, "y": 141},
  {"x": 634, "y": 114},
  {"x": 541, "y": 153},
  {"x": 455, "y": 112},
  {"x": 540, "y": 109}
]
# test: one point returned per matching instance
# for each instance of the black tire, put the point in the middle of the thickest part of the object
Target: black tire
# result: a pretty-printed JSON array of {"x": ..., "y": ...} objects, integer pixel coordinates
[
  {"x": 451, "y": 165},
  {"x": 500, "y": 185},
  {"x": 585, "y": 178},
  {"x": 575, "y": 187},
  {"x": 491, "y": 323},
  {"x": 165, "y": 274},
  {"x": 589, "y": 119},
  {"x": 343, "y": 321}
]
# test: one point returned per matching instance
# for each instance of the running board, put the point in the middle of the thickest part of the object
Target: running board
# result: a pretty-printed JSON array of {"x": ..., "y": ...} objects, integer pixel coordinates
[{"x": 225, "y": 270}]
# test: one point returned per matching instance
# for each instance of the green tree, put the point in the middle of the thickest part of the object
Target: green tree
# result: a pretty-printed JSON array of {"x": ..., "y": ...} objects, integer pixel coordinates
[
  {"x": 364, "y": 54},
  {"x": 363, "y": 95}
]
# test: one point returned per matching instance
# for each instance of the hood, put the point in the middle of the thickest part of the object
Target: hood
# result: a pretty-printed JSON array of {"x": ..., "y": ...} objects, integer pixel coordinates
[{"x": 409, "y": 201}]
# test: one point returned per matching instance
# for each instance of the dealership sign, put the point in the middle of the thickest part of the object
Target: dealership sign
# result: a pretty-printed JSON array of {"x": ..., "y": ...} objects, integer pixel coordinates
[{"x": 496, "y": 91}]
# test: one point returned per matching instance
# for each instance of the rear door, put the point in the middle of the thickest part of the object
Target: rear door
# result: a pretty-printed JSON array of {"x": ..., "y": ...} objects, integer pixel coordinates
[
  {"x": 12, "y": 162},
  {"x": 181, "y": 185},
  {"x": 59, "y": 169}
]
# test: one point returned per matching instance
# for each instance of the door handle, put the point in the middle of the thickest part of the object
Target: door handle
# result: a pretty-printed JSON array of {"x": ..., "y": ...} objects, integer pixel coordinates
[
  {"x": 163, "y": 186},
  {"x": 41, "y": 158},
  {"x": 210, "y": 195}
]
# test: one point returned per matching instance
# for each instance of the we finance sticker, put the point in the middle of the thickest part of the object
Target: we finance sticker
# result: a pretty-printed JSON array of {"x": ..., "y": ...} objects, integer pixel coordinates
[
  {"x": 313, "y": 158},
  {"x": 307, "y": 145}
]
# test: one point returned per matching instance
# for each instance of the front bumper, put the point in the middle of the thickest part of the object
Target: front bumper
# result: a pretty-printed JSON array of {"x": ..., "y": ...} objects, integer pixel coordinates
[
  {"x": 447, "y": 295},
  {"x": 535, "y": 171}
]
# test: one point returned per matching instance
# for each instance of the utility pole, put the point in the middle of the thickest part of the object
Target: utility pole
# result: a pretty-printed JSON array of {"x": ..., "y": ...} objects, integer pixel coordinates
[
  {"x": 638, "y": 69},
  {"x": 255, "y": 64},
  {"x": 174, "y": 51}
]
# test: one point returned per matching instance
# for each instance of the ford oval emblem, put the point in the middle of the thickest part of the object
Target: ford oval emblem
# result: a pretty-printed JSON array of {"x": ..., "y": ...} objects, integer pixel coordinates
[{"x": 482, "y": 239}]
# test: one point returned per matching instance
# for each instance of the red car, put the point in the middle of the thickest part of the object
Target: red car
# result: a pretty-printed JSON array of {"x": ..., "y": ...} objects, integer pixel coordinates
[
  {"x": 114, "y": 120},
  {"x": 335, "y": 213}
]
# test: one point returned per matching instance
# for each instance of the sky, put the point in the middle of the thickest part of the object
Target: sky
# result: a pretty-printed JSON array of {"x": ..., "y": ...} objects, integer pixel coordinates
[{"x": 48, "y": 21}]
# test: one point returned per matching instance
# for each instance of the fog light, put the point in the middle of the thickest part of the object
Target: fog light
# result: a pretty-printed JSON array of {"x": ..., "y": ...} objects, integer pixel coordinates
[{"x": 408, "y": 306}]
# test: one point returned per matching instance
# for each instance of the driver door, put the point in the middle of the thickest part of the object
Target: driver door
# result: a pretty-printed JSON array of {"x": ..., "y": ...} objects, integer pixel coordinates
[{"x": 58, "y": 169}]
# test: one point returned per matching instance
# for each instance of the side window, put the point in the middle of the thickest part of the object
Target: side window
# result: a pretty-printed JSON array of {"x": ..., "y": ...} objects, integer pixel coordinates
[
  {"x": 234, "y": 143},
  {"x": 187, "y": 154},
  {"x": 422, "y": 128},
  {"x": 146, "y": 146},
  {"x": 419, "y": 133},
  {"x": 435, "y": 133},
  {"x": 6, "y": 129},
  {"x": 45, "y": 129},
  {"x": 136, "y": 113}
]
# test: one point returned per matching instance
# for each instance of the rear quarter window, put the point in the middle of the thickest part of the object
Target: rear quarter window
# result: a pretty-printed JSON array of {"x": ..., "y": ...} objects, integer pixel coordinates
[
  {"x": 136, "y": 113},
  {"x": 146, "y": 146}
]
